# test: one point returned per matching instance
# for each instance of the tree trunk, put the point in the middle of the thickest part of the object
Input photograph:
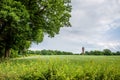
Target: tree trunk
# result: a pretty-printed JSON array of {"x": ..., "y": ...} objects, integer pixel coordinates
[{"x": 7, "y": 52}]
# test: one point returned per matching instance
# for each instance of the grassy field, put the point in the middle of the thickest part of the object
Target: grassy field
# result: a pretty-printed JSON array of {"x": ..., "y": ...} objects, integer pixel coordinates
[{"x": 71, "y": 67}]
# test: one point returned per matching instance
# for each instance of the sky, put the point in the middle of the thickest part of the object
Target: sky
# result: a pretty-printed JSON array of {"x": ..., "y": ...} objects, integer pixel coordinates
[{"x": 95, "y": 26}]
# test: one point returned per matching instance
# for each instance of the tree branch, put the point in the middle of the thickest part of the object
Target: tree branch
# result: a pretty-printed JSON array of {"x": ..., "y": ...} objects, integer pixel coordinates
[{"x": 42, "y": 10}]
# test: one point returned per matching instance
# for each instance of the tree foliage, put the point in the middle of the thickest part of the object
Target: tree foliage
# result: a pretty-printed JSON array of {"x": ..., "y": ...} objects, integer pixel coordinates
[
  {"x": 14, "y": 27},
  {"x": 107, "y": 52},
  {"x": 104, "y": 52},
  {"x": 48, "y": 15},
  {"x": 49, "y": 52},
  {"x": 26, "y": 21}
]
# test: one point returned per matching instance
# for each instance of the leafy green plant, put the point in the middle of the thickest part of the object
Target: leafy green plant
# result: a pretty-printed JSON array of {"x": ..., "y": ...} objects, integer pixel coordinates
[{"x": 72, "y": 67}]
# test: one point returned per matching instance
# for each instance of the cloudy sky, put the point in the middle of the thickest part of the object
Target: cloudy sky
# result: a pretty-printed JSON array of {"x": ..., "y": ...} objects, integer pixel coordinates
[{"x": 95, "y": 25}]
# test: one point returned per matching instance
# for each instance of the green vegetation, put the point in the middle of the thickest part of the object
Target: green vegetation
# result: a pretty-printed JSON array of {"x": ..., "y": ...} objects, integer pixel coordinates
[
  {"x": 49, "y": 52},
  {"x": 104, "y": 52},
  {"x": 25, "y": 21},
  {"x": 15, "y": 53},
  {"x": 54, "y": 67},
  {"x": 56, "y": 52}
]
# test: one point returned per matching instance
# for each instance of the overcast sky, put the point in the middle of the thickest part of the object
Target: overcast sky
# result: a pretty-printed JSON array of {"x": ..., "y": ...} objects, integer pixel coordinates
[{"x": 95, "y": 25}]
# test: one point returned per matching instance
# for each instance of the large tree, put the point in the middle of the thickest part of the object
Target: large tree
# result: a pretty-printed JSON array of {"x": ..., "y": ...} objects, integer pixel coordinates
[
  {"x": 23, "y": 21},
  {"x": 14, "y": 27}
]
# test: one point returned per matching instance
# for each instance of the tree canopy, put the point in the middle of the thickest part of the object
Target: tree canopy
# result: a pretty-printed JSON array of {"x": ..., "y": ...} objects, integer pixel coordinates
[{"x": 26, "y": 21}]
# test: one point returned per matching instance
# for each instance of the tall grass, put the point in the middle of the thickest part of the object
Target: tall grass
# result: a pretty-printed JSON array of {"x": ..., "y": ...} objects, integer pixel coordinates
[{"x": 72, "y": 67}]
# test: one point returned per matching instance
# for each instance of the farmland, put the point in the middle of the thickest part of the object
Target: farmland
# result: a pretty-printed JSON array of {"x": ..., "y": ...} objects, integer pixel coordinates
[{"x": 61, "y": 67}]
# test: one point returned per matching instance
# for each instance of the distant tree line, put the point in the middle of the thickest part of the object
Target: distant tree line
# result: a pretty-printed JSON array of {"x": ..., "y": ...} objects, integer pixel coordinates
[
  {"x": 15, "y": 53},
  {"x": 49, "y": 52},
  {"x": 104, "y": 52},
  {"x": 56, "y": 52}
]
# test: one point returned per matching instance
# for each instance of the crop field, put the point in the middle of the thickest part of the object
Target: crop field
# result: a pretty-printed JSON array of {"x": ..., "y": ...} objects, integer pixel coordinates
[{"x": 60, "y": 67}]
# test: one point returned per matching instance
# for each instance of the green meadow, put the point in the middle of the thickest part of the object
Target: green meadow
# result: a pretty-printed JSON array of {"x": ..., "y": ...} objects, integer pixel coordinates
[{"x": 61, "y": 67}]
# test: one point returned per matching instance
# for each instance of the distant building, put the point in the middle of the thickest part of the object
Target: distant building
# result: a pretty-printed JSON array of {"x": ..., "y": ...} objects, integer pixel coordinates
[{"x": 83, "y": 50}]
